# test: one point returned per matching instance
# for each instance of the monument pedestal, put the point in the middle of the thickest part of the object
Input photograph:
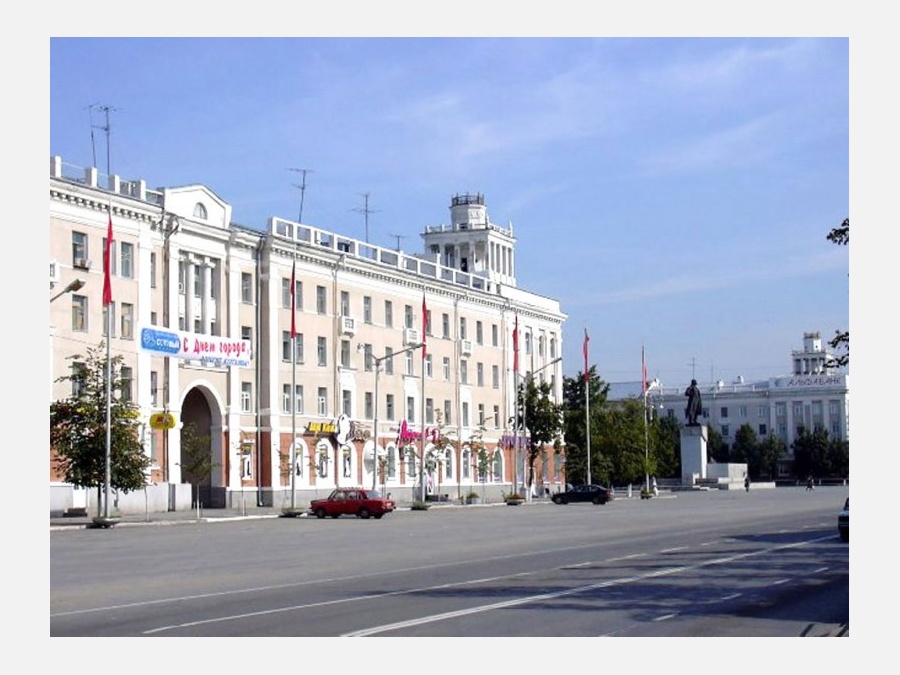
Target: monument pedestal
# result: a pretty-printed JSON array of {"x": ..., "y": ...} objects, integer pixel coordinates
[{"x": 693, "y": 454}]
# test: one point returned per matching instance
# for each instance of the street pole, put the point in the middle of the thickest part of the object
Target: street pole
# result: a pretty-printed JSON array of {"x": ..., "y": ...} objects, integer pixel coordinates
[{"x": 375, "y": 428}]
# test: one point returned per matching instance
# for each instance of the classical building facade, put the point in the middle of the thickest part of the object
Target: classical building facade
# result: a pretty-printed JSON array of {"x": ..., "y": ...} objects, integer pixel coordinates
[{"x": 294, "y": 385}]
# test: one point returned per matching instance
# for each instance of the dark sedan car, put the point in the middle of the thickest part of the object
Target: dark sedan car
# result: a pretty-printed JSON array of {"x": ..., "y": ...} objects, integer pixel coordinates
[
  {"x": 596, "y": 494},
  {"x": 352, "y": 502}
]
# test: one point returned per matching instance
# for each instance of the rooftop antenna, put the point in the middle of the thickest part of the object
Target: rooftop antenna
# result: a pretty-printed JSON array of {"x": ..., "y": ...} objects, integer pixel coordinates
[
  {"x": 302, "y": 187},
  {"x": 105, "y": 109},
  {"x": 693, "y": 365},
  {"x": 398, "y": 237},
  {"x": 366, "y": 210}
]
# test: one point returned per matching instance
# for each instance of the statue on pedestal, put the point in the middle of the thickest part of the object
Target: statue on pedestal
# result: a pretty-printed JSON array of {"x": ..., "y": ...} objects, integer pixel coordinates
[{"x": 694, "y": 406}]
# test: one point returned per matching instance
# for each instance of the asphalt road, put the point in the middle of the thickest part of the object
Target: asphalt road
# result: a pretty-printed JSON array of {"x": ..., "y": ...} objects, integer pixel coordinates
[{"x": 767, "y": 563}]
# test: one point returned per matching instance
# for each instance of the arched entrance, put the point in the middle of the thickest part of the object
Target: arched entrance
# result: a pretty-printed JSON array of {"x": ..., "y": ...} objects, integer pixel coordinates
[{"x": 203, "y": 462}]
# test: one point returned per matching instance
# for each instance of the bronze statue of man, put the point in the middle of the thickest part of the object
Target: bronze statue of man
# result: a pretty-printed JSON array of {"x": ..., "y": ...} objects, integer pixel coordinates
[{"x": 694, "y": 407}]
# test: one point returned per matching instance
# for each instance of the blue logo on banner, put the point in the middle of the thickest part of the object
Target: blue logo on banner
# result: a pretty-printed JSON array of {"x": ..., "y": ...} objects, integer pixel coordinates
[{"x": 160, "y": 341}]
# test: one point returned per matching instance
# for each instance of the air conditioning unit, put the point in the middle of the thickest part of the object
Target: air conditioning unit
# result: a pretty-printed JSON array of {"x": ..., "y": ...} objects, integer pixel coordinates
[
  {"x": 410, "y": 336},
  {"x": 54, "y": 272},
  {"x": 348, "y": 325},
  {"x": 465, "y": 347},
  {"x": 82, "y": 263}
]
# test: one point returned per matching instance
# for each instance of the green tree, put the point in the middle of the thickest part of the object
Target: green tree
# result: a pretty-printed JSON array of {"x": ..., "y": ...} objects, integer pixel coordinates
[
  {"x": 196, "y": 459},
  {"x": 482, "y": 457},
  {"x": 542, "y": 418},
  {"x": 840, "y": 235},
  {"x": 744, "y": 447},
  {"x": 78, "y": 428},
  {"x": 574, "y": 420},
  {"x": 665, "y": 446},
  {"x": 623, "y": 446},
  {"x": 716, "y": 447},
  {"x": 811, "y": 454},
  {"x": 770, "y": 451},
  {"x": 838, "y": 458}
]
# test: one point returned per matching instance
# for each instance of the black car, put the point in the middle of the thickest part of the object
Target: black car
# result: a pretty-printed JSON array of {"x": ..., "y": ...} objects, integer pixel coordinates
[
  {"x": 844, "y": 521},
  {"x": 596, "y": 494}
]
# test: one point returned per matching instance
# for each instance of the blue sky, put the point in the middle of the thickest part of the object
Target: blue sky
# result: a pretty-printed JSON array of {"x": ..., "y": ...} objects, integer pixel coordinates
[{"x": 672, "y": 193}]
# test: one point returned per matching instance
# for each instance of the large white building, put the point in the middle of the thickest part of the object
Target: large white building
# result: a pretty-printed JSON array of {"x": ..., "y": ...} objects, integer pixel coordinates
[
  {"x": 813, "y": 396},
  {"x": 202, "y": 316}
]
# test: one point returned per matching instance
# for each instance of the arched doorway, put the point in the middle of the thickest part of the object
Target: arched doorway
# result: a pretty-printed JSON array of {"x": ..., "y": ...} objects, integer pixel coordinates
[{"x": 203, "y": 462}]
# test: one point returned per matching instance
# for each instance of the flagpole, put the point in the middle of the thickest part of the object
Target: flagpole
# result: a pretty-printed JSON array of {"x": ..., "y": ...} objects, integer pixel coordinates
[
  {"x": 302, "y": 187},
  {"x": 645, "y": 391},
  {"x": 107, "y": 301},
  {"x": 587, "y": 407},
  {"x": 516, "y": 404},
  {"x": 422, "y": 424}
]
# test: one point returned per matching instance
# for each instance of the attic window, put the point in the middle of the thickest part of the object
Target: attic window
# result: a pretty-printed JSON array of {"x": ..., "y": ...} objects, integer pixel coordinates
[{"x": 199, "y": 211}]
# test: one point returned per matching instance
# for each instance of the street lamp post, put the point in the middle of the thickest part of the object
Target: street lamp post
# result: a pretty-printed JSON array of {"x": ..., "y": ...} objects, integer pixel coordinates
[
  {"x": 71, "y": 287},
  {"x": 528, "y": 380},
  {"x": 378, "y": 361},
  {"x": 652, "y": 385}
]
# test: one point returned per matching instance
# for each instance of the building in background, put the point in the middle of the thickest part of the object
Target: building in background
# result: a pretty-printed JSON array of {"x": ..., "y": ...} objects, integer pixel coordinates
[
  {"x": 813, "y": 397},
  {"x": 202, "y": 316}
]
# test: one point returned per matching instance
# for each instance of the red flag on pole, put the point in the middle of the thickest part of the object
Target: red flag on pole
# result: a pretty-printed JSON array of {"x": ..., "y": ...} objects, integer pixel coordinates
[
  {"x": 643, "y": 372},
  {"x": 516, "y": 345},
  {"x": 107, "y": 265},
  {"x": 585, "y": 350},
  {"x": 294, "y": 300},
  {"x": 424, "y": 324}
]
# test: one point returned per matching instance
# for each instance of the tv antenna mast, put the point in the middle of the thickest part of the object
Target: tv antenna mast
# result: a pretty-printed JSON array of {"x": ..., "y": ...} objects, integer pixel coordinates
[
  {"x": 365, "y": 210},
  {"x": 105, "y": 109},
  {"x": 398, "y": 237},
  {"x": 302, "y": 187}
]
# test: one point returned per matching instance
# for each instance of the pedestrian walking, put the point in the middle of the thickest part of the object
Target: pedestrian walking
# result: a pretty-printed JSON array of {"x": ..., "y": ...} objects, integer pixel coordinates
[
  {"x": 809, "y": 484},
  {"x": 747, "y": 482}
]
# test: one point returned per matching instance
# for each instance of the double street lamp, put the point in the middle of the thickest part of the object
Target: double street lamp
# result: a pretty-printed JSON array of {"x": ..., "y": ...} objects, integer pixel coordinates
[{"x": 378, "y": 361}]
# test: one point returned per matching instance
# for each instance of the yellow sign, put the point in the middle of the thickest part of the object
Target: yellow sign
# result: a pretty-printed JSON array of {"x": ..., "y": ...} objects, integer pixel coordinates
[{"x": 162, "y": 421}]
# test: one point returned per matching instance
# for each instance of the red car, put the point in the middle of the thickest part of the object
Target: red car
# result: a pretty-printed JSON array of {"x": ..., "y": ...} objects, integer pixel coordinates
[{"x": 352, "y": 502}]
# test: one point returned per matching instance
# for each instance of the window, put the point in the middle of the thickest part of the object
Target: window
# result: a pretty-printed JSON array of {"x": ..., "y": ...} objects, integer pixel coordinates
[
  {"x": 246, "y": 288},
  {"x": 466, "y": 464},
  {"x": 742, "y": 411},
  {"x": 388, "y": 361},
  {"x": 299, "y": 400},
  {"x": 497, "y": 416},
  {"x": 462, "y": 328},
  {"x": 369, "y": 410},
  {"x": 345, "y": 303},
  {"x": 409, "y": 363},
  {"x": 527, "y": 342},
  {"x": 367, "y": 309},
  {"x": 429, "y": 411},
  {"x": 447, "y": 419},
  {"x": 541, "y": 346},
  {"x": 286, "y": 399},
  {"x": 198, "y": 281},
  {"x": 479, "y": 333},
  {"x": 465, "y": 414},
  {"x": 479, "y": 374},
  {"x": 127, "y": 376},
  {"x": 286, "y": 346},
  {"x": 495, "y": 336},
  {"x": 408, "y": 316},
  {"x": 448, "y": 466},
  {"x": 127, "y": 256},
  {"x": 445, "y": 326},
  {"x": 368, "y": 358},
  {"x": 79, "y": 313},
  {"x": 723, "y": 412},
  {"x": 79, "y": 249},
  {"x": 552, "y": 348},
  {"x": 388, "y": 313},
  {"x": 321, "y": 299},
  {"x": 762, "y": 412},
  {"x": 246, "y": 396},
  {"x": 154, "y": 386},
  {"x": 464, "y": 372},
  {"x": 109, "y": 319},
  {"x": 762, "y": 430},
  {"x": 481, "y": 414},
  {"x": 798, "y": 410},
  {"x": 726, "y": 432},
  {"x": 322, "y": 351},
  {"x": 322, "y": 401},
  {"x": 153, "y": 319},
  {"x": 247, "y": 334},
  {"x": 428, "y": 322},
  {"x": 447, "y": 368},
  {"x": 199, "y": 211},
  {"x": 345, "y": 354},
  {"x": 153, "y": 269},
  {"x": 410, "y": 409},
  {"x": 346, "y": 402},
  {"x": 495, "y": 377},
  {"x": 389, "y": 404},
  {"x": 286, "y": 293},
  {"x": 428, "y": 372},
  {"x": 127, "y": 320},
  {"x": 79, "y": 373}
]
